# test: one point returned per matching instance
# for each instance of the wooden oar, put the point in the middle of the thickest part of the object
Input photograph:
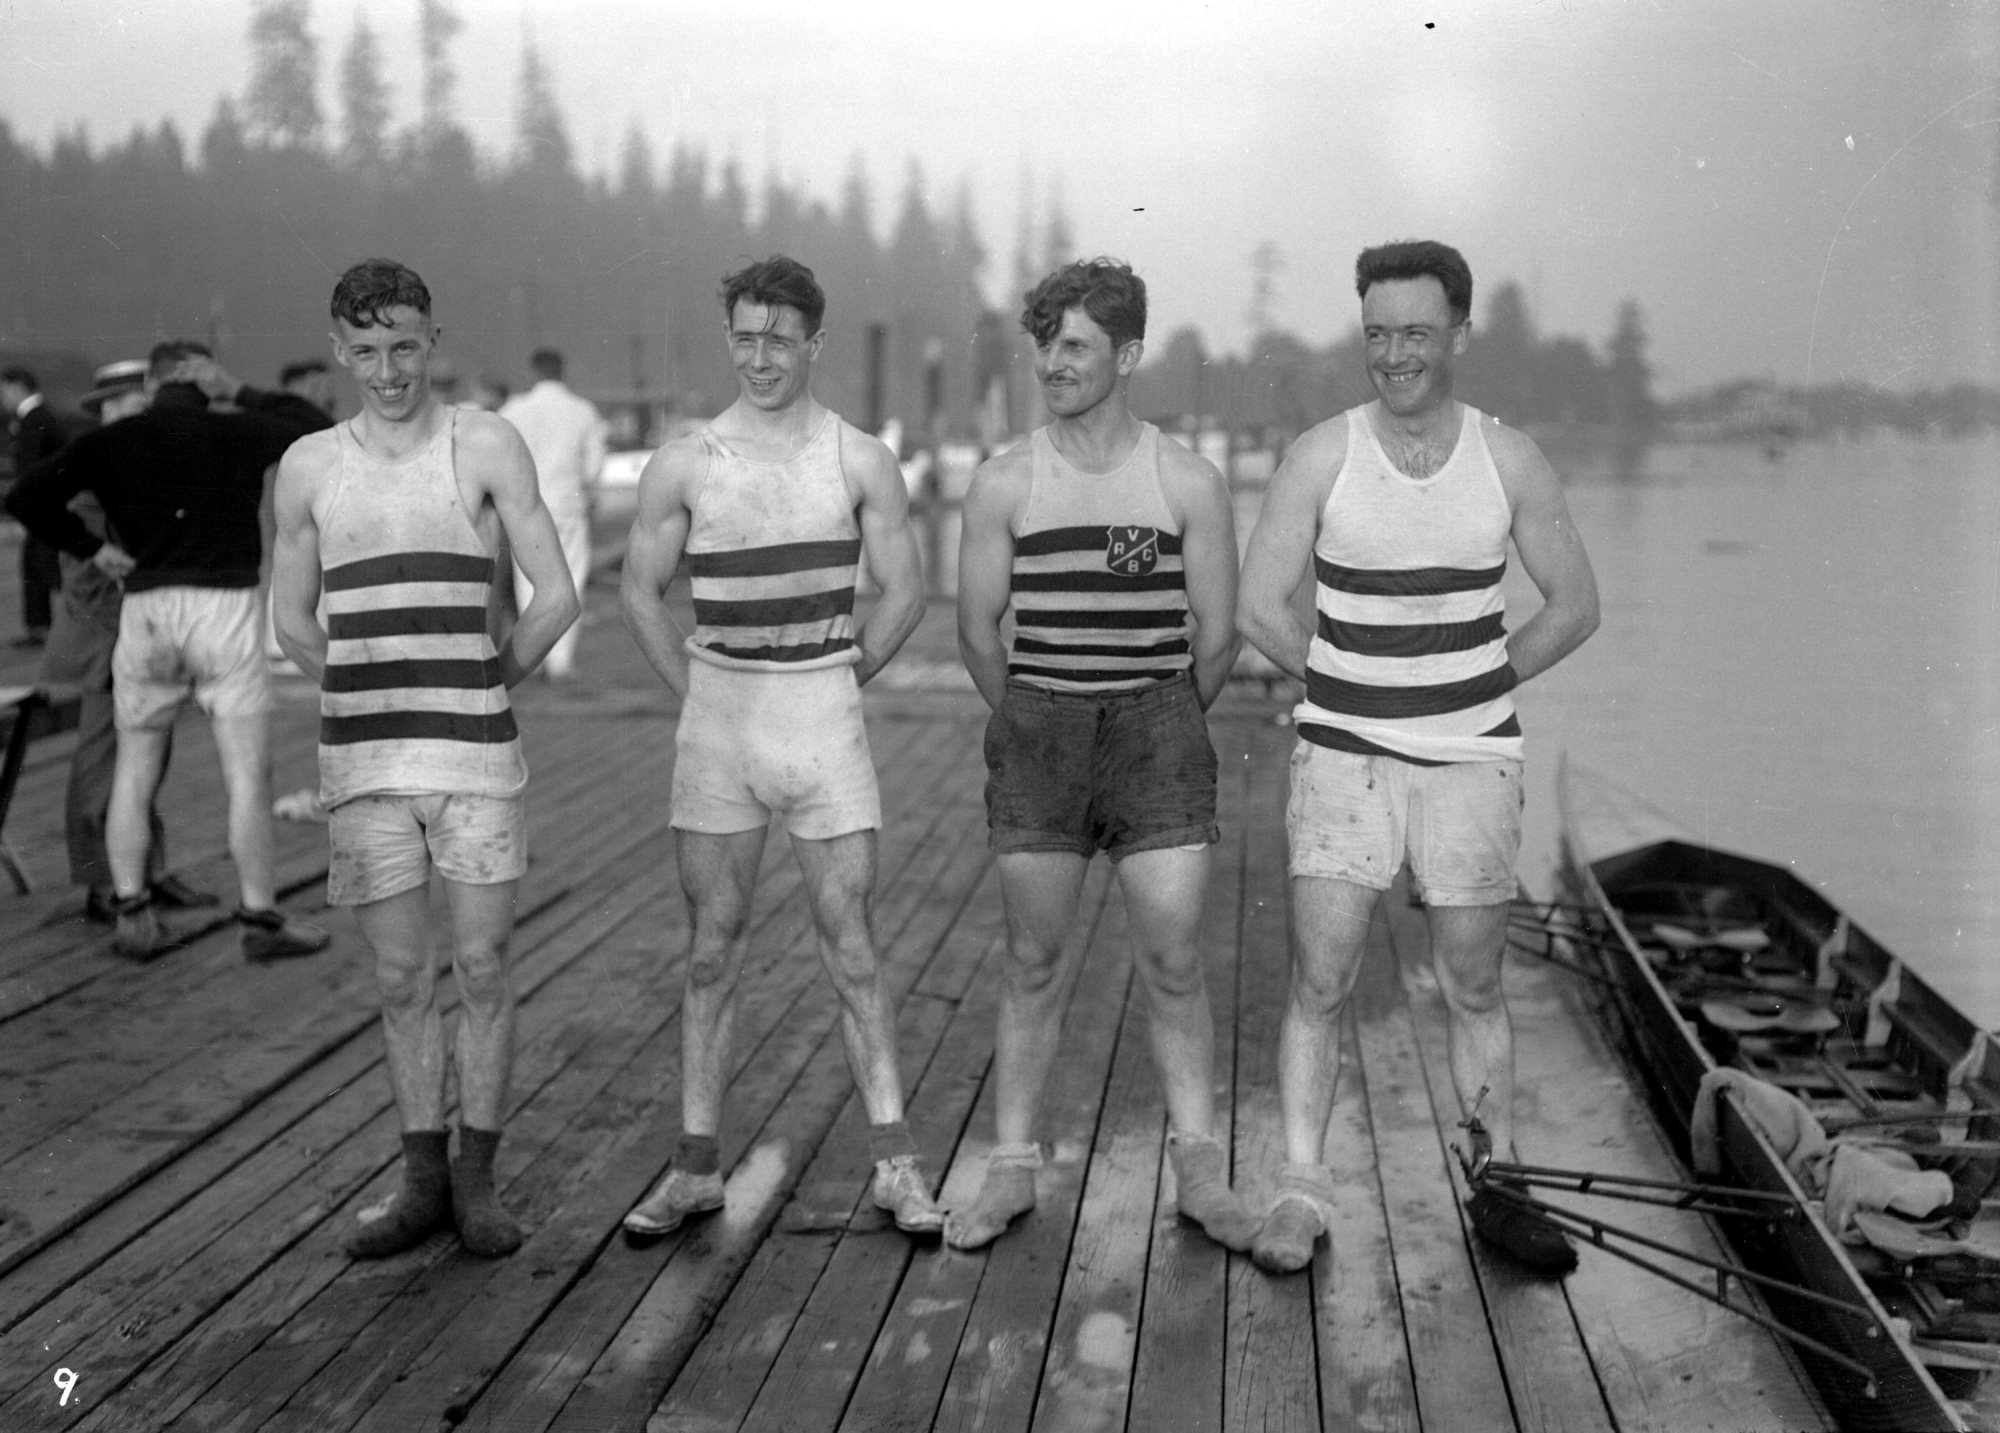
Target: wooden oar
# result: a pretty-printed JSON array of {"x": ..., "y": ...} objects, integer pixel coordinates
[{"x": 1598, "y": 1232}]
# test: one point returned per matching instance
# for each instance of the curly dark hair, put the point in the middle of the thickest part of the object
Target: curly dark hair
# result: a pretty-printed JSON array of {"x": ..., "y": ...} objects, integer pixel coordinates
[
  {"x": 367, "y": 292},
  {"x": 1416, "y": 259},
  {"x": 1104, "y": 288},
  {"x": 773, "y": 281}
]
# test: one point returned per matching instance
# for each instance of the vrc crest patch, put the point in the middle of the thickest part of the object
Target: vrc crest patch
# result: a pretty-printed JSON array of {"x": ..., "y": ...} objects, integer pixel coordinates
[{"x": 1132, "y": 551}]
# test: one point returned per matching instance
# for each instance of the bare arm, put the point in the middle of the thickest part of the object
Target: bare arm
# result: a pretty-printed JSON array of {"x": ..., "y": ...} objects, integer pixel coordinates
[
  {"x": 295, "y": 571},
  {"x": 1208, "y": 561},
  {"x": 494, "y": 449},
  {"x": 653, "y": 554},
  {"x": 1281, "y": 546},
  {"x": 890, "y": 546},
  {"x": 986, "y": 569},
  {"x": 1551, "y": 553}
]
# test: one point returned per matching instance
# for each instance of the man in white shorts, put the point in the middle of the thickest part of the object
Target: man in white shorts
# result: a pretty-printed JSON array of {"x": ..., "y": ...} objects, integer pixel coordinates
[
  {"x": 1408, "y": 742},
  {"x": 397, "y": 517},
  {"x": 182, "y": 487},
  {"x": 771, "y": 507}
]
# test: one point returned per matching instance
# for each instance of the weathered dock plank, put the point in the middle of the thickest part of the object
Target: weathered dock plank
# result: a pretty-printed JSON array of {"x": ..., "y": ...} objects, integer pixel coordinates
[{"x": 227, "y": 1125}]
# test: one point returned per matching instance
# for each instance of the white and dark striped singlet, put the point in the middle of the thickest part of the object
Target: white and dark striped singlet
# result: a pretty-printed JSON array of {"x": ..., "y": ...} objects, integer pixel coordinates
[
  {"x": 772, "y": 553},
  {"x": 1099, "y": 596},
  {"x": 413, "y": 702},
  {"x": 1409, "y": 650}
]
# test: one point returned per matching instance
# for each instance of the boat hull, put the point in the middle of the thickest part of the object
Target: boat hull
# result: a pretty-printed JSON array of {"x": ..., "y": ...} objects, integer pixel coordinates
[{"x": 1619, "y": 888}]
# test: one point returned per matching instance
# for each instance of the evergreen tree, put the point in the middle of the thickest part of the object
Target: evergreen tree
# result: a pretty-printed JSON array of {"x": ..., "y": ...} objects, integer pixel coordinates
[
  {"x": 1024, "y": 240},
  {"x": 223, "y": 143},
  {"x": 437, "y": 25},
  {"x": 542, "y": 147},
  {"x": 364, "y": 100},
  {"x": 1628, "y": 378},
  {"x": 780, "y": 224},
  {"x": 283, "y": 101},
  {"x": 1267, "y": 260},
  {"x": 1498, "y": 371},
  {"x": 635, "y": 166},
  {"x": 1058, "y": 240}
]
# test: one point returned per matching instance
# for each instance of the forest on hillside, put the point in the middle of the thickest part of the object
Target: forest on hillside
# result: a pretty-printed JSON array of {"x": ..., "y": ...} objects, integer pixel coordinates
[{"x": 235, "y": 236}]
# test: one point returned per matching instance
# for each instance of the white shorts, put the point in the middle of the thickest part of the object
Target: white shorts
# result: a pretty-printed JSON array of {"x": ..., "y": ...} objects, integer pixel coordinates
[
  {"x": 174, "y": 642},
  {"x": 755, "y": 745},
  {"x": 1354, "y": 818},
  {"x": 384, "y": 845}
]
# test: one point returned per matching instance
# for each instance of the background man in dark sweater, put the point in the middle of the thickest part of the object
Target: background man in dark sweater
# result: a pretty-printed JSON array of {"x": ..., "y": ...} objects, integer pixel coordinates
[
  {"x": 182, "y": 489},
  {"x": 36, "y": 432}
]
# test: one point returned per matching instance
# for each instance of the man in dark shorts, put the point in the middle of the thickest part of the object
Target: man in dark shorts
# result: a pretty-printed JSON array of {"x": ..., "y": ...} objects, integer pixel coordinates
[
  {"x": 771, "y": 507},
  {"x": 1409, "y": 748},
  {"x": 1117, "y": 550}
]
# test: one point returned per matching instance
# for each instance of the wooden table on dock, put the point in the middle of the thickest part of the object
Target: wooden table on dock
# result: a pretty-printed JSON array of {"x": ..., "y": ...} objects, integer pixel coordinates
[{"x": 183, "y": 1144}]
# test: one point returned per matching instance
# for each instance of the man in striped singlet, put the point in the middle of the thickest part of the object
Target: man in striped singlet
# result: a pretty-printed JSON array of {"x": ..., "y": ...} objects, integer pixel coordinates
[
  {"x": 397, "y": 515},
  {"x": 1409, "y": 746},
  {"x": 771, "y": 507},
  {"x": 1116, "y": 549}
]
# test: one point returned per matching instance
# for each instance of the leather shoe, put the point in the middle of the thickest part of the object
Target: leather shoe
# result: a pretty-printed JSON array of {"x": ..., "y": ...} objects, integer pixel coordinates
[
  {"x": 170, "y": 890},
  {"x": 1531, "y": 1238},
  {"x": 270, "y": 935}
]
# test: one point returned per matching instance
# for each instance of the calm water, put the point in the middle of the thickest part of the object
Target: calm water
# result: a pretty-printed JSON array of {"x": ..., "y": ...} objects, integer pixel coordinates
[{"x": 1800, "y": 659}]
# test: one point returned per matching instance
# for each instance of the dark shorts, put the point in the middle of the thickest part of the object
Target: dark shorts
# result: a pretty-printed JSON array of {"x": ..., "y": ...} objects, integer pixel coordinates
[{"x": 1121, "y": 772}]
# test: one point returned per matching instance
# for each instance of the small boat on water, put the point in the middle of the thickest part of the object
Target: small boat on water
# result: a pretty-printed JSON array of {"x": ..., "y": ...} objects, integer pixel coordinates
[{"x": 1778, "y": 1039}]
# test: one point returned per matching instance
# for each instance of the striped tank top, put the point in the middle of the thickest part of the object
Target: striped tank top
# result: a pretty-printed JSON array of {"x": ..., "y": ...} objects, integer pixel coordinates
[
  {"x": 413, "y": 702},
  {"x": 1409, "y": 649},
  {"x": 1100, "y": 601},
  {"x": 772, "y": 552}
]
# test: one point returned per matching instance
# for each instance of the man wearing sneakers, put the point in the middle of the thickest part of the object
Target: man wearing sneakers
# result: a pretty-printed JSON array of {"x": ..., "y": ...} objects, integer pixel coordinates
[
  {"x": 772, "y": 506},
  {"x": 1409, "y": 745},
  {"x": 1117, "y": 551},
  {"x": 182, "y": 489},
  {"x": 397, "y": 515}
]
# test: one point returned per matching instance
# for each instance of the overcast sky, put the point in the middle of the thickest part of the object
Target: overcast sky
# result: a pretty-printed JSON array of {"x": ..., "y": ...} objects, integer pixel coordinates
[{"x": 1794, "y": 189}]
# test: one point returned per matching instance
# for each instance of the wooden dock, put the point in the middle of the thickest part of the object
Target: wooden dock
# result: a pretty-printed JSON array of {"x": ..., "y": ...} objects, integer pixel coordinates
[{"x": 182, "y": 1145}]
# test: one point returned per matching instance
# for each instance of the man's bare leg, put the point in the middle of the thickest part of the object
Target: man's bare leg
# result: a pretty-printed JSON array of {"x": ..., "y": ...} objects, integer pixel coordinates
[
  {"x": 397, "y": 931},
  {"x": 244, "y": 745},
  {"x": 1041, "y": 890},
  {"x": 1165, "y": 895},
  {"x": 1467, "y": 943},
  {"x": 840, "y": 881},
  {"x": 127, "y": 832},
  {"x": 482, "y": 923},
  {"x": 719, "y": 878},
  {"x": 128, "y": 837},
  {"x": 1329, "y": 936}
]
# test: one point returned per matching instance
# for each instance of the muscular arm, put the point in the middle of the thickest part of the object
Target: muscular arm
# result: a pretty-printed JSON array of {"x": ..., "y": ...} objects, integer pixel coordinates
[
  {"x": 1552, "y": 555},
  {"x": 1281, "y": 547},
  {"x": 1208, "y": 559},
  {"x": 986, "y": 569},
  {"x": 295, "y": 570},
  {"x": 890, "y": 546},
  {"x": 495, "y": 449},
  {"x": 653, "y": 555}
]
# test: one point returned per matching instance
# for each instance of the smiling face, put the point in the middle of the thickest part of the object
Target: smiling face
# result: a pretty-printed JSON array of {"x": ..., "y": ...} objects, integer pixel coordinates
[
  {"x": 390, "y": 361},
  {"x": 1411, "y": 342},
  {"x": 772, "y": 353},
  {"x": 1079, "y": 367}
]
